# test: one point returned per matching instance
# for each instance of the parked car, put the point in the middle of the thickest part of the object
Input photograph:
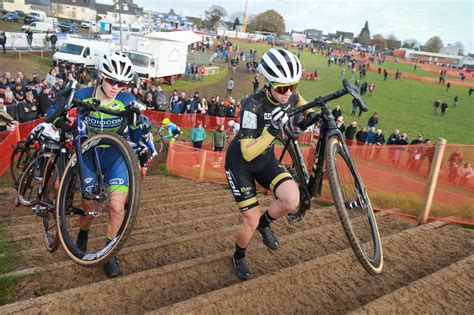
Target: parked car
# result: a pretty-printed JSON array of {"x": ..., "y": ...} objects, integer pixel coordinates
[
  {"x": 67, "y": 28},
  {"x": 11, "y": 17},
  {"x": 30, "y": 19},
  {"x": 86, "y": 24},
  {"x": 3, "y": 11},
  {"x": 20, "y": 13}
]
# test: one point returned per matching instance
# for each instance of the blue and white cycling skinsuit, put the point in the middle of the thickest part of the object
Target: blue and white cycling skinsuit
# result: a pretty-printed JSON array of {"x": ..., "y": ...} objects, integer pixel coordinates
[{"x": 111, "y": 161}]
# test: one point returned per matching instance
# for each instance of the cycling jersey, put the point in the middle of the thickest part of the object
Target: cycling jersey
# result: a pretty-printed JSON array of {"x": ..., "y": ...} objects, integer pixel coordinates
[
  {"x": 45, "y": 130},
  {"x": 173, "y": 130},
  {"x": 246, "y": 163},
  {"x": 111, "y": 162}
]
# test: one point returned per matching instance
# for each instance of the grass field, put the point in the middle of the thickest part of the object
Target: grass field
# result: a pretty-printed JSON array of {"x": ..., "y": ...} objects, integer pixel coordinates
[{"x": 404, "y": 104}]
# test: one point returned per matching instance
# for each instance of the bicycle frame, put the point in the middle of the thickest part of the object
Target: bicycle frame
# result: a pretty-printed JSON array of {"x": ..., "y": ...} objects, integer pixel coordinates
[{"x": 313, "y": 180}]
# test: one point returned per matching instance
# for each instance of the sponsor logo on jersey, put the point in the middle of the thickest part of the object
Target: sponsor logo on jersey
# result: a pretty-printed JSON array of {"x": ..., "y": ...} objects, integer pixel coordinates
[
  {"x": 230, "y": 179},
  {"x": 267, "y": 116},
  {"x": 116, "y": 181},
  {"x": 106, "y": 122}
]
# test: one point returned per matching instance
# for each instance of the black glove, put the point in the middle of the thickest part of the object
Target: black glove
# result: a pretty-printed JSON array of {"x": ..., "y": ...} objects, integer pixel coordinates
[
  {"x": 279, "y": 119},
  {"x": 132, "y": 112},
  {"x": 309, "y": 120}
]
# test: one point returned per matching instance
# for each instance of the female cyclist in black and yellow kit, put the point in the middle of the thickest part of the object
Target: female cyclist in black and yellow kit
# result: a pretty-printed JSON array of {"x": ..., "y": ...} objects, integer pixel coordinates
[{"x": 251, "y": 158}]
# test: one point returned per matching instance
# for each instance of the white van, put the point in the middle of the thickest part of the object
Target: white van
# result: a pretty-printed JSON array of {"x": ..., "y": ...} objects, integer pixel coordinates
[
  {"x": 40, "y": 15},
  {"x": 82, "y": 51},
  {"x": 41, "y": 27}
]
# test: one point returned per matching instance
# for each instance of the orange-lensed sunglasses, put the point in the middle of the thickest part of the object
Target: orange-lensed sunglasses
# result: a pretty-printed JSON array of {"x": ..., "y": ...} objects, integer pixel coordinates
[{"x": 283, "y": 88}]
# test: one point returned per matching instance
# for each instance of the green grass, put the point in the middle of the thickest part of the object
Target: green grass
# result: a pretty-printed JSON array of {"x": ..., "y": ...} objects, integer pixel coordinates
[
  {"x": 404, "y": 104},
  {"x": 7, "y": 263},
  {"x": 408, "y": 68}
]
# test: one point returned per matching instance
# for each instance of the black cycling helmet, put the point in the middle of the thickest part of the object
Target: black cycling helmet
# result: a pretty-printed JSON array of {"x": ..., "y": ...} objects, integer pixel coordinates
[{"x": 145, "y": 124}]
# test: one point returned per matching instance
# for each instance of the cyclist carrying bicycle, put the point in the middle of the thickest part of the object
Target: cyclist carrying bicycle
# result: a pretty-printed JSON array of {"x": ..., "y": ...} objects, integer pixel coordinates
[
  {"x": 145, "y": 149},
  {"x": 173, "y": 130},
  {"x": 116, "y": 71},
  {"x": 251, "y": 158}
]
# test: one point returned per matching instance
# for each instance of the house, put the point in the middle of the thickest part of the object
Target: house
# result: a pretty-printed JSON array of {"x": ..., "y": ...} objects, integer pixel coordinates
[
  {"x": 74, "y": 9},
  {"x": 313, "y": 33},
  {"x": 12, "y": 5},
  {"x": 346, "y": 37},
  {"x": 130, "y": 13}
]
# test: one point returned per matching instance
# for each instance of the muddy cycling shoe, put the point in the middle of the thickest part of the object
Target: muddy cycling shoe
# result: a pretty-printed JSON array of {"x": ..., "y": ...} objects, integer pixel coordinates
[
  {"x": 241, "y": 269},
  {"x": 112, "y": 267},
  {"x": 81, "y": 241},
  {"x": 269, "y": 237}
]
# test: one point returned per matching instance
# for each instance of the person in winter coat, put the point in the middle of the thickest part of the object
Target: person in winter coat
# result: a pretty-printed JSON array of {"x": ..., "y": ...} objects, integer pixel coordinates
[
  {"x": 198, "y": 135},
  {"x": 373, "y": 120},
  {"x": 3, "y": 41},
  {"x": 219, "y": 139},
  {"x": 351, "y": 132}
]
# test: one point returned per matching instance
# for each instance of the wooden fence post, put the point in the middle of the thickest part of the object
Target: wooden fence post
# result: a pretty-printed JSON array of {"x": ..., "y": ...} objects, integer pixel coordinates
[
  {"x": 432, "y": 180},
  {"x": 202, "y": 167},
  {"x": 19, "y": 54}
]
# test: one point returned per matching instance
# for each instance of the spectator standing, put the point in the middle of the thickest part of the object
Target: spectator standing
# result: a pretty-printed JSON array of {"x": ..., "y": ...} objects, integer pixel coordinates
[
  {"x": 201, "y": 72},
  {"x": 336, "y": 112},
  {"x": 231, "y": 108},
  {"x": 373, "y": 120},
  {"x": 448, "y": 85},
  {"x": 220, "y": 113},
  {"x": 212, "y": 106},
  {"x": 27, "y": 109},
  {"x": 53, "y": 40},
  {"x": 436, "y": 105},
  {"x": 465, "y": 172},
  {"x": 371, "y": 88},
  {"x": 203, "y": 107},
  {"x": 187, "y": 72},
  {"x": 3, "y": 41},
  {"x": 456, "y": 99},
  {"x": 455, "y": 160},
  {"x": 44, "y": 100},
  {"x": 29, "y": 36},
  {"x": 361, "y": 136},
  {"x": 175, "y": 104},
  {"x": 230, "y": 87},
  {"x": 160, "y": 102},
  {"x": 379, "y": 141},
  {"x": 350, "y": 133},
  {"x": 219, "y": 139},
  {"x": 385, "y": 74},
  {"x": 444, "y": 106},
  {"x": 255, "y": 83},
  {"x": 340, "y": 124},
  {"x": 18, "y": 92},
  {"x": 394, "y": 138},
  {"x": 198, "y": 135}
]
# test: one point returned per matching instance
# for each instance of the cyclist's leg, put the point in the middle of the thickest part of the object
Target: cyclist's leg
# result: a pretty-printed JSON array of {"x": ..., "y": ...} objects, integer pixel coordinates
[
  {"x": 116, "y": 176},
  {"x": 276, "y": 178},
  {"x": 90, "y": 179}
]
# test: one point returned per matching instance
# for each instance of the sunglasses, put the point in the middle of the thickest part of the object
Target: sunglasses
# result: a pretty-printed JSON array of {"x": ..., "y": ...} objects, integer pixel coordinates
[
  {"x": 113, "y": 82},
  {"x": 283, "y": 88}
]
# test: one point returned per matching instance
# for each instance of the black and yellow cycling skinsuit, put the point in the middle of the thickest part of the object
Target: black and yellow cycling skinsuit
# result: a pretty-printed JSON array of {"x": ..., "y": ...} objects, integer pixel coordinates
[{"x": 245, "y": 165}]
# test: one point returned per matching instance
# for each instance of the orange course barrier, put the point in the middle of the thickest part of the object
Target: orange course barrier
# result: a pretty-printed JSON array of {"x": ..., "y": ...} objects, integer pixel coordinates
[
  {"x": 8, "y": 139},
  {"x": 395, "y": 176}
]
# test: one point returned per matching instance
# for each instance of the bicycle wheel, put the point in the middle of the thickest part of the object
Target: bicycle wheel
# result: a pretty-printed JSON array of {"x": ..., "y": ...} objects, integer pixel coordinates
[
  {"x": 50, "y": 230},
  {"x": 19, "y": 161},
  {"x": 31, "y": 181},
  {"x": 294, "y": 167},
  {"x": 353, "y": 206},
  {"x": 99, "y": 199},
  {"x": 160, "y": 145}
]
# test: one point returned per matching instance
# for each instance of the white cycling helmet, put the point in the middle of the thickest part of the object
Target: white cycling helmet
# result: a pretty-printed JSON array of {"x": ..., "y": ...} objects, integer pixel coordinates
[
  {"x": 280, "y": 66},
  {"x": 117, "y": 66}
]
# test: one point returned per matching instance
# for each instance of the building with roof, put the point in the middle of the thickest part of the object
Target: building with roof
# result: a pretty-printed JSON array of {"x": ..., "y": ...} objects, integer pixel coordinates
[
  {"x": 75, "y": 10},
  {"x": 346, "y": 37}
]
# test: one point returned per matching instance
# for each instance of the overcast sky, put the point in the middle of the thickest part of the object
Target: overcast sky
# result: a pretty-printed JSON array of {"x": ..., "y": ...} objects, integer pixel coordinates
[{"x": 452, "y": 20}]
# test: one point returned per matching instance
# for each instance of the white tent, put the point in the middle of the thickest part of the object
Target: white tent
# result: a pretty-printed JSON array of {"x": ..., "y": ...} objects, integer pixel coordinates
[{"x": 187, "y": 37}]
